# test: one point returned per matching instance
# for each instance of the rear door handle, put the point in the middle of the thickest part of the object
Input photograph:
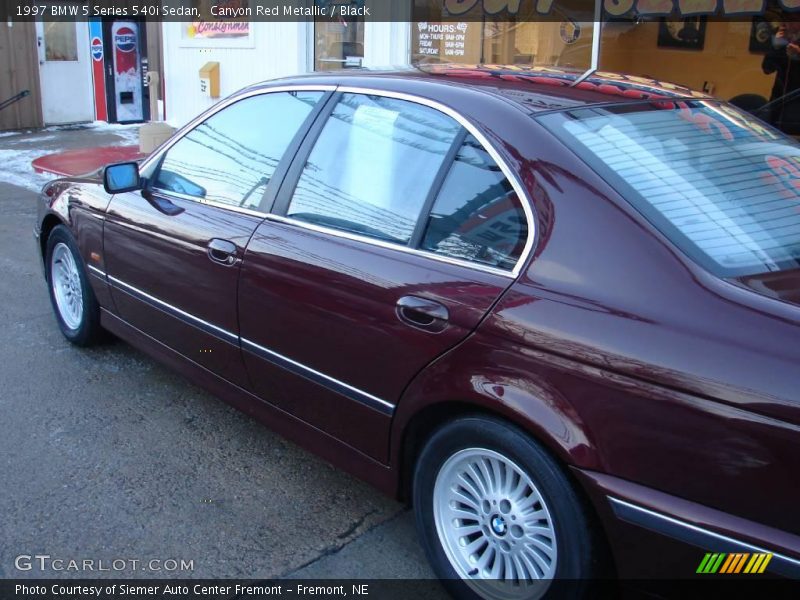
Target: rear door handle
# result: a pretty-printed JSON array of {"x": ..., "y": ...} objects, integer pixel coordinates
[
  {"x": 222, "y": 251},
  {"x": 423, "y": 313}
]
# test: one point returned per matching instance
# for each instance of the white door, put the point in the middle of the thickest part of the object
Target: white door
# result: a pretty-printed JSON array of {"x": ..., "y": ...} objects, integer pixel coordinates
[{"x": 65, "y": 72}]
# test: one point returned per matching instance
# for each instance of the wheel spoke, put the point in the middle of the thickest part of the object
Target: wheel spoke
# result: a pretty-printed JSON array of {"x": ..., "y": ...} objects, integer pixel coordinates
[
  {"x": 474, "y": 472},
  {"x": 492, "y": 521},
  {"x": 460, "y": 496}
]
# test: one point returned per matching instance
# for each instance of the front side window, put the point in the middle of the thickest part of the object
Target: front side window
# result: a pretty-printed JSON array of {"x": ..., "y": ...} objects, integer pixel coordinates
[
  {"x": 373, "y": 166},
  {"x": 721, "y": 185},
  {"x": 477, "y": 216},
  {"x": 230, "y": 157}
]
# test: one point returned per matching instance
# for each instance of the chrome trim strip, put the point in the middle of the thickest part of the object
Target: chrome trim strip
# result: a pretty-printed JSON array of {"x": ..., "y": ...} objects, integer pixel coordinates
[
  {"x": 277, "y": 359},
  {"x": 382, "y": 244},
  {"x": 322, "y": 379},
  {"x": 219, "y": 332},
  {"x": 524, "y": 199},
  {"x": 698, "y": 536},
  {"x": 156, "y": 156},
  {"x": 96, "y": 271}
]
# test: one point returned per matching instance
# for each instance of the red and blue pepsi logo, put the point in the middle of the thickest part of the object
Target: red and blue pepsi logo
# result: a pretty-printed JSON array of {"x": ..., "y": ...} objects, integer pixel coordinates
[
  {"x": 97, "y": 48},
  {"x": 125, "y": 39}
]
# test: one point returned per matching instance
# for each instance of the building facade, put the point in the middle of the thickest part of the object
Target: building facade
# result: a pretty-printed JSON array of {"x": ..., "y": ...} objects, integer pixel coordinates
[{"x": 725, "y": 58}]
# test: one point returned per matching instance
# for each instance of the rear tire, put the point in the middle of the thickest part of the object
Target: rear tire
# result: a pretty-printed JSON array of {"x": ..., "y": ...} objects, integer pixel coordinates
[
  {"x": 498, "y": 517},
  {"x": 74, "y": 303}
]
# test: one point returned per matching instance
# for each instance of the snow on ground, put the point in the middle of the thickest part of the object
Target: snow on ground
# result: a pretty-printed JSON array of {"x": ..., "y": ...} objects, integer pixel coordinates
[
  {"x": 15, "y": 168},
  {"x": 15, "y": 162}
]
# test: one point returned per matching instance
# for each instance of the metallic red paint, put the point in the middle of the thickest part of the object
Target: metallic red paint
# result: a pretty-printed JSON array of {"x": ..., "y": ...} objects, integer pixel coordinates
[{"x": 657, "y": 383}]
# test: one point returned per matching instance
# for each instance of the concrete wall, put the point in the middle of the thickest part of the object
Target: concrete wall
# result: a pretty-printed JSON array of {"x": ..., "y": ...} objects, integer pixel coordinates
[{"x": 276, "y": 50}]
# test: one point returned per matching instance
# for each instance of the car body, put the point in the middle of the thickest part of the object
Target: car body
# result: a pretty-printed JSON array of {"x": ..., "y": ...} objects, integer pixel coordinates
[{"x": 668, "y": 394}]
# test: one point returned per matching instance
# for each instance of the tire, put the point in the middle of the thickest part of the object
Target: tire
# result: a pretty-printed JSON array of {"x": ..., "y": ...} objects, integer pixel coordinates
[
  {"x": 74, "y": 303},
  {"x": 498, "y": 504}
]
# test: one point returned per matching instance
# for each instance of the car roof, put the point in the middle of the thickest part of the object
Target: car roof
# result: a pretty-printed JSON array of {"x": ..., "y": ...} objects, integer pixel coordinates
[{"x": 533, "y": 89}]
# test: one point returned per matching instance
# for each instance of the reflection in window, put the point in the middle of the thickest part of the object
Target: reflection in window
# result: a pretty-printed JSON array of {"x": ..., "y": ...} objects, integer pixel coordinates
[
  {"x": 719, "y": 184},
  {"x": 60, "y": 41},
  {"x": 338, "y": 44},
  {"x": 477, "y": 216},
  {"x": 372, "y": 167},
  {"x": 230, "y": 157}
]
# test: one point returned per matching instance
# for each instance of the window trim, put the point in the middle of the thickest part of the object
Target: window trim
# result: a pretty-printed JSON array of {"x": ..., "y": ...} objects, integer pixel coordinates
[
  {"x": 311, "y": 131},
  {"x": 268, "y": 198},
  {"x": 291, "y": 180}
]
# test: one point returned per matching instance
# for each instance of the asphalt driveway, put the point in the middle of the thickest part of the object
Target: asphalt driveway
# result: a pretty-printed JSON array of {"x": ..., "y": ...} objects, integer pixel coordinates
[{"x": 106, "y": 455}]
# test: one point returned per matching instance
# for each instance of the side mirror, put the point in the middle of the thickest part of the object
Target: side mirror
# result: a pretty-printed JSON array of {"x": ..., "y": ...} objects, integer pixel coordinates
[{"x": 121, "y": 178}]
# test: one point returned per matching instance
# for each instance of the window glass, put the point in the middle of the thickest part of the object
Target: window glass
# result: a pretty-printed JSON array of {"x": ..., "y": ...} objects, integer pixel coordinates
[
  {"x": 60, "y": 41},
  {"x": 338, "y": 44},
  {"x": 372, "y": 167},
  {"x": 230, "y": 157},
  {"x": 477, "y": 215},
  {"x": 722, "y": 185}
]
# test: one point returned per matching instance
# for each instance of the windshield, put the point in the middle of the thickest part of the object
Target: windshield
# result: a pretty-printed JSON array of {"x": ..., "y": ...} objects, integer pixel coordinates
[{"x": 723, "y": 186}]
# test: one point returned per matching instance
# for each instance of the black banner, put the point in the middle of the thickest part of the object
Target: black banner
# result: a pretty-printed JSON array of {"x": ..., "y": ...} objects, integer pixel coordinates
[{"x": 394, "y": 10}]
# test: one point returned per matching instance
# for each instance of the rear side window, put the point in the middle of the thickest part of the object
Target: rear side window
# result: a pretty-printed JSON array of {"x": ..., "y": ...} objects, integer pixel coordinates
[
  {"x": 373, "y": 166},
  {"x": 230, "y": 157},
  {"x": 477, "y": 216},
  {"x": 721, "y": 185}
]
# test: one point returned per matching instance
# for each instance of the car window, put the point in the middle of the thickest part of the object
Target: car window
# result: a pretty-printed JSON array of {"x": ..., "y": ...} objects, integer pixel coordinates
[
  {"x": 230, "y": 157},
  {"x": 720, "y": 184},
  {"x": 477, "y": 216},
  {"x": 372, "y": 167}
]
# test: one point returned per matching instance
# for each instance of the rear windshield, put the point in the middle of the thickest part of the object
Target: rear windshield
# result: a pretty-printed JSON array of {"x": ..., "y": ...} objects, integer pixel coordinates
[{"x": 724, "y": 187}]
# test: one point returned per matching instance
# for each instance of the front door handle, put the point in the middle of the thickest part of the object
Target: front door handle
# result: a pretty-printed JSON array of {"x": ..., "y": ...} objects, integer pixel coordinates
[
  {"x": 222, "y": 252},
  {"x": 423, "y": 313}
]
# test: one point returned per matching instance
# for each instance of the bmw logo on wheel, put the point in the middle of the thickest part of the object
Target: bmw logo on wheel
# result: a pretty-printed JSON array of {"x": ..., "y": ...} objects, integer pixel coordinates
[
  {"x": 125, "y": 39},
  {"x": 97, "y": 48}
]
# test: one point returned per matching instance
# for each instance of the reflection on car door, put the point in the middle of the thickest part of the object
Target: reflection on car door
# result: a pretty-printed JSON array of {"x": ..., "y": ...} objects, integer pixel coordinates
[
  {"x": 339, "y": 305},
  {"x": 173, "y": 252}
]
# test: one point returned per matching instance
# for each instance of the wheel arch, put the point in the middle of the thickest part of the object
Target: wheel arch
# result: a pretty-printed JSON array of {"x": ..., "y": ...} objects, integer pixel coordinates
[
  {"x": 49, "y": 222},
  {"x": 446, "y": 391},
  {"x": 430, "y": 418}
]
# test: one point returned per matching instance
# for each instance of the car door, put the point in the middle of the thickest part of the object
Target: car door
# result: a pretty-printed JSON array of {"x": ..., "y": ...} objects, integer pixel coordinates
[
  {"x": 392, "y": 236},
  {"x": 173, "y": 252}
]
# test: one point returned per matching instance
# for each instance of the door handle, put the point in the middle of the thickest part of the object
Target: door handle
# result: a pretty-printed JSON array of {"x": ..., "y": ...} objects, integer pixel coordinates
[
  {"x": 222, "y": 252},
  {"x": 423, "y": 313}
]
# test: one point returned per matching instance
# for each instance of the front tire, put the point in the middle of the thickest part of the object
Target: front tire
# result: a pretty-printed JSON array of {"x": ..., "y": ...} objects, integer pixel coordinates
[
  {"x": 74, "y": 303},
  {"x": 497, "y": 516}
]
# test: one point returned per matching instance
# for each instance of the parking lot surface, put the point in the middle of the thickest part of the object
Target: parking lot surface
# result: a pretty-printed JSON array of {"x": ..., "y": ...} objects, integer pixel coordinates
[{"x": 107, "y": 455}]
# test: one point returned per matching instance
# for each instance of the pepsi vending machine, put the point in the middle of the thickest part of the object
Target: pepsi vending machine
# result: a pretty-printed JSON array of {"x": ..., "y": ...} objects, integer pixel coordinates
[{"x": 125, "y": 57}]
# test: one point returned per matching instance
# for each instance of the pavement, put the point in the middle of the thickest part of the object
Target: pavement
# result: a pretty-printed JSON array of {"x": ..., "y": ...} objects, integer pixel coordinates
[{"x": 107, "y": 455}]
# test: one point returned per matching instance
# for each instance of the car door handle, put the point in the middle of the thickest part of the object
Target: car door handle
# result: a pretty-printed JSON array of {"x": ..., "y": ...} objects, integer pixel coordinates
[
  {"x": 222, "y": 251},
  {"x": 422, "y": 313}
]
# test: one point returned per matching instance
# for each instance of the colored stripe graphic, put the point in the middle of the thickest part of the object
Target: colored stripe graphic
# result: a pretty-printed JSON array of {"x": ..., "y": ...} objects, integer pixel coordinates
[{"x": 734, "y": 563}]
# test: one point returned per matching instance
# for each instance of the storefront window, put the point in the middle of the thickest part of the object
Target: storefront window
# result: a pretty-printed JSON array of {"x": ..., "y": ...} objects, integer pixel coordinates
[
  {"x": 338, "y": 44},
  {"x": 524, "y": 40},
  {"x": 752, "y": 63}
]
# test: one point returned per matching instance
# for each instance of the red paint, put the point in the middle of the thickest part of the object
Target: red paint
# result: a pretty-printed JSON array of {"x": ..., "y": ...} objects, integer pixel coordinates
[{"x": 84, "y": 160}]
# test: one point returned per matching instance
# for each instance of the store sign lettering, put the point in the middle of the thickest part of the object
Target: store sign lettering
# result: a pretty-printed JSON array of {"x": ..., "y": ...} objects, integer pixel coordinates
[{"x": 618, "y": 8}]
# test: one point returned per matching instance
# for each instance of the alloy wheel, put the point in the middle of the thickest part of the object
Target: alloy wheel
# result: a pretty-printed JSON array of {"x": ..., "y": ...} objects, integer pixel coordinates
[
  {"x": 494, "y": 525},
  {"x": 66, "y": 284}
]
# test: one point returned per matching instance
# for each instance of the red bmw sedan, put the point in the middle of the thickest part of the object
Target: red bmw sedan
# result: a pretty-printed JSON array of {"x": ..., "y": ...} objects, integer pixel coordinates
[{"x": 559, "y": 315}]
